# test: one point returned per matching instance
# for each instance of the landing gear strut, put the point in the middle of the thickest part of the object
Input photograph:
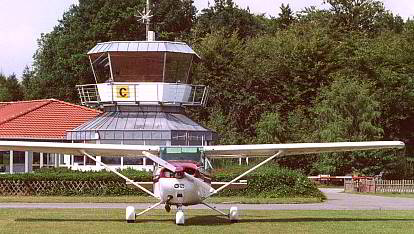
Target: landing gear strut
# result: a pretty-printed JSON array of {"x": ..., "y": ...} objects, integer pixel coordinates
[
  {"x": 233, "y": 215},
  {"x": 167, "y": 204}
]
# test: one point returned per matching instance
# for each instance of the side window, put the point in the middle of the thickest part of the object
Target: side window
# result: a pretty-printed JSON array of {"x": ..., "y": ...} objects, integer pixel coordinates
[
  {"x": 190, "y": 171},
  {"x": 167, "y": 174}
]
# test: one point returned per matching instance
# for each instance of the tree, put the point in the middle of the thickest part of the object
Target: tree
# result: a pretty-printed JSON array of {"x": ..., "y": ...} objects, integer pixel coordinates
[
  {"x": 10, "y": 88},
  {"x": 270, "y": 129},
  {"x": 286, "y": 17},
  {"x": 367, "y": 16},
  {"x": 221, "y": 58},
  {"x": 346, "y": 110},
  {"x": 4, "y": 92},
  {"x": 226, "y": 16}
]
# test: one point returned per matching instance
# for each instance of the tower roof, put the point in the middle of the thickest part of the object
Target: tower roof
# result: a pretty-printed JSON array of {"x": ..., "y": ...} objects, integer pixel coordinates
[
  {"x": 142, "y": 46},
  {"x": 138, "y": 126}
]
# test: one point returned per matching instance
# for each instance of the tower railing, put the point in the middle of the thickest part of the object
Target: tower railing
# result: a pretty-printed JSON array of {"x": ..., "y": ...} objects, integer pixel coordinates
[{"x": 142, "y": 93}]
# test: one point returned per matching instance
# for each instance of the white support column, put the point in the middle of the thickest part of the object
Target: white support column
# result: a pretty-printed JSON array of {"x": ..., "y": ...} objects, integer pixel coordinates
[
  {"x": 41, "y": 160},
  {"x": 247, "y": 160},
  {"x": 56, "y": 160},
  {"x": 11, "y": 162},
  {"x": 28, "y": 161},
  {"x": 30, "y": 157},
  {"x": 48, "y": 159},
  {"x": 240, "y": 161},
  {"x": 98, "y": 162}
]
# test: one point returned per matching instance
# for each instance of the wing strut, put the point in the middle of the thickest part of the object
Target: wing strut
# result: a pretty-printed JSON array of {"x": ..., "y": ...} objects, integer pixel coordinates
[
  {"x": 278, "y": 154},
  {"x": 149, "y": 208},
  {"x": 119, "y": 174}
]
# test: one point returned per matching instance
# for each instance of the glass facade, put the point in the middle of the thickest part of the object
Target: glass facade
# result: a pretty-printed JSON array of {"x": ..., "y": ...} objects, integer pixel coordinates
[
  {"x": 137, "y": 67},
  {"x": 4, "y": 160},
  {"x": 143, "y": 67},
  {"x": 177, "y": 68}
]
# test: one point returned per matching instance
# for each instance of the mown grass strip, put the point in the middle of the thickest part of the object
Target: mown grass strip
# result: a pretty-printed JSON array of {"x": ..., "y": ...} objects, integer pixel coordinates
[
  {"x": 204, "y": 221},
  {"x": 146, "y": 199}
]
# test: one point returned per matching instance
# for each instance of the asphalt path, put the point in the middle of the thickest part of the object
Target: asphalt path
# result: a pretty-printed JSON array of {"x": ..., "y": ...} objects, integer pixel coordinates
[{"x": 336, "y": 200}]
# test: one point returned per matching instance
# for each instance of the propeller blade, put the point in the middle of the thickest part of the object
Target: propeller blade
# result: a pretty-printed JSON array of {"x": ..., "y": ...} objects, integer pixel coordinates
[
  {"x": 200, "y": 183},
  {"x": 160, "y": 161}
]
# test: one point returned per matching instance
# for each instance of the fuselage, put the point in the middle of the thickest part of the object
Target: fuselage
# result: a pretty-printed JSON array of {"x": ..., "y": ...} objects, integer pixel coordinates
[{"x": 187, "y": 186}]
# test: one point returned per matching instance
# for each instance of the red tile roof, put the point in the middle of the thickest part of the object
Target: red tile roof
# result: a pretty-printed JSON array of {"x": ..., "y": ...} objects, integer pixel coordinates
[{"x": 41, "y": 119}]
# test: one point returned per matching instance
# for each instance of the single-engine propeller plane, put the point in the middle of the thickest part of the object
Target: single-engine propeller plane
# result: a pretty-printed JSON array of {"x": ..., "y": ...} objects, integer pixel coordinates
[{"x": 180, "y": 179}]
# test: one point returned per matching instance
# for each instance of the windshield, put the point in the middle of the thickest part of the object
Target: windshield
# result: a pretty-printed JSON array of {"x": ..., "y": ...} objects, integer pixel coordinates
[{"x": 181, "y": 154}]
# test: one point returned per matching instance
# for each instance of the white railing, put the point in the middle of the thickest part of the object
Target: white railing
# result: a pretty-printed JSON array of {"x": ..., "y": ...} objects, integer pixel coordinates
[{"x": 150, "y": 93}]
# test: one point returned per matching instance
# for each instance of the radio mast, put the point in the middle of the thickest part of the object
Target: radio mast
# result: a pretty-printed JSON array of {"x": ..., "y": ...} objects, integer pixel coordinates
[{"x": 145, "y": 18}]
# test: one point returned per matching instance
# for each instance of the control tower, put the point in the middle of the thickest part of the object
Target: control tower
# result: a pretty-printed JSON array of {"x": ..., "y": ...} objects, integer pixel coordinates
[
  {"x": 143, "y": 88},
  {"x": 148, "y": 73}
]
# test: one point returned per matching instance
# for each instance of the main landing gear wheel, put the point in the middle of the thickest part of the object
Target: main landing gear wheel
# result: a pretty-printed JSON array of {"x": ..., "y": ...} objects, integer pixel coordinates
[
  {"x": 234, "y": 214},
  {"x": 179, "y": 217},
  {"x": 130, "y": 214}
]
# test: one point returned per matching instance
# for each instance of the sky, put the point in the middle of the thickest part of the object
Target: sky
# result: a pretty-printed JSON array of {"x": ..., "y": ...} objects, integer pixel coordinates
[{"x": 23, "y": 21}]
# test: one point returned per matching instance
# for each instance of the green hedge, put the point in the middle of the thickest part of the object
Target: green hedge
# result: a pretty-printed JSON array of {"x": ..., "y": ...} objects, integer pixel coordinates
[
  {"x": 268, "y": 181},
  {"x": 64, "y": 174}
]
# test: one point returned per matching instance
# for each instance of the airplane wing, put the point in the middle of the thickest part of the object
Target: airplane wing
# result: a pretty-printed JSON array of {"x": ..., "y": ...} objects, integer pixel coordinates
[
  {"x": 265, "y": 150},
  {"x": 216, "y": 151},
  {"x": 270, "y": 151}
]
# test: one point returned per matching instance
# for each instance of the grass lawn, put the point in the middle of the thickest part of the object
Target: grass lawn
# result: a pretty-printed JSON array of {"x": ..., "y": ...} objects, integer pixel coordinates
[
  {"x": 144, "y": 199},
  {"x": 204, "y": 221}
]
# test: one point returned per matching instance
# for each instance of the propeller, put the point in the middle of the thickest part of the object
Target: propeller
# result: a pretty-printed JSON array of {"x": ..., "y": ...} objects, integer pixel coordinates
[
  {"x": 160, "y": 161},
  {"x": 200, "y": 183}
]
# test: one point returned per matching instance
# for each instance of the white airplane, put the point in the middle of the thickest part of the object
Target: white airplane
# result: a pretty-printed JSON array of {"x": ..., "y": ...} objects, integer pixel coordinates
[{"x": 180, "y": 179}]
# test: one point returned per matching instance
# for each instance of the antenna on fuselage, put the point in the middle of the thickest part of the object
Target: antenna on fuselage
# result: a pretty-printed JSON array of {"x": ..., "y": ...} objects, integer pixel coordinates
[{"x": 145, "y": 18}]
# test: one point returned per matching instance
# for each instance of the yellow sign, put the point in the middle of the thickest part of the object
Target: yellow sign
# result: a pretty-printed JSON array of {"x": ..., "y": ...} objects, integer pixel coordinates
[{"x": 122, "y": 91}]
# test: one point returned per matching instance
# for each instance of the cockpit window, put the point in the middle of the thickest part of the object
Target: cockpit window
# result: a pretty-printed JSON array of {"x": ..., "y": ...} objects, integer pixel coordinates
[
  {"x": 181, "y": 153},
  {"x": 190, "y": 171},
  {"x": 168, "y": 174}
]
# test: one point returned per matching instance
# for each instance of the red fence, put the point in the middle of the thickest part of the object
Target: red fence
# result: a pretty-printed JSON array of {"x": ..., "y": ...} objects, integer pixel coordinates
[{"x": 369, "y": 185}]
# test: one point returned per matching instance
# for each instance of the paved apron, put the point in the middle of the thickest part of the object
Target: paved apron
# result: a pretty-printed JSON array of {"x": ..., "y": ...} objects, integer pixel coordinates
[{"x": 337, "y": 200}]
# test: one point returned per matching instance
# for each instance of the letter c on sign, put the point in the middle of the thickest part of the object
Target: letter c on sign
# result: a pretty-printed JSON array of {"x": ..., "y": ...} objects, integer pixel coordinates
[{"x": 123, "y": 92}]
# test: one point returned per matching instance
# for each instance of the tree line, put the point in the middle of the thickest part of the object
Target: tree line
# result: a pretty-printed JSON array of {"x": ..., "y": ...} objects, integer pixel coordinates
[{"x": 344, "y": 73}]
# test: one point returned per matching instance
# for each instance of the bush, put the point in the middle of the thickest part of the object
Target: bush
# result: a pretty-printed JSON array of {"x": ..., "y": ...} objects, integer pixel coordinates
[
  {"x": 268, "y": 182},
  {"x": 64, "y": 174}
]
